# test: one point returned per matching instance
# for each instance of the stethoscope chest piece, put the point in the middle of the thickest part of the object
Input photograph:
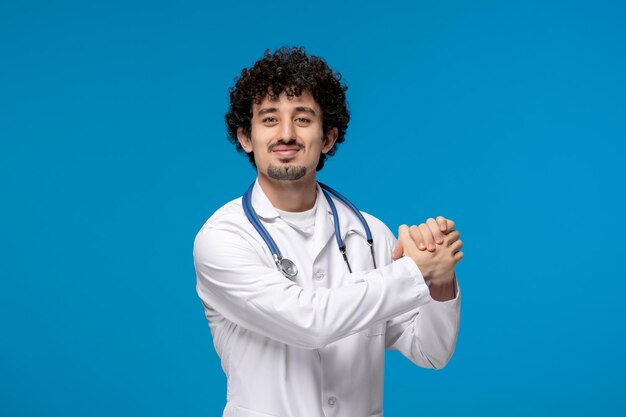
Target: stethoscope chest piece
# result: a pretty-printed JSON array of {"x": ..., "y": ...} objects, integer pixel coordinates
[{"x": 288, "y": 268}]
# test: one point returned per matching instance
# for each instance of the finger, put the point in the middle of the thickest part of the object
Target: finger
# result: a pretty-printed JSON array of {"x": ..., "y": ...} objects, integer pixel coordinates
[
  {"x": 458, "y": 256},
  {"x": 428, "y": 237},
  {"x": 450, "y": 225},
  {"x": 452, "y": 237},
  {"x": 417, "y": 237},
  {"x": 442, "y": 222},
  {"x": 434, "y": 228},
  {"x": 456, "y": 246}
]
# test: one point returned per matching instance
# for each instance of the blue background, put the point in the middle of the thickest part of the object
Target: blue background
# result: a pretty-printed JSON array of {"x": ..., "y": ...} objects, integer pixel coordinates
[{"x": 508, "y": 117}]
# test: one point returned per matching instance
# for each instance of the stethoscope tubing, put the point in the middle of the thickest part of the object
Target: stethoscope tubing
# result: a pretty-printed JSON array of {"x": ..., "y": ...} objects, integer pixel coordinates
[
  {"x": 254, "y": 219},
  {"x": 285, "y": 265}
]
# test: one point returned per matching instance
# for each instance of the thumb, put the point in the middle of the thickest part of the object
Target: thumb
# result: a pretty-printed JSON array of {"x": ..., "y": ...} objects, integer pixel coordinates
[
  {"x": 403, "y": 232},
  {"x": 397, "y": 252}
]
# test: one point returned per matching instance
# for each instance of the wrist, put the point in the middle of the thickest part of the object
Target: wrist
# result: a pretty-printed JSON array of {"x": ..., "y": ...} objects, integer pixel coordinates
[{"x": 443, "y": 289}]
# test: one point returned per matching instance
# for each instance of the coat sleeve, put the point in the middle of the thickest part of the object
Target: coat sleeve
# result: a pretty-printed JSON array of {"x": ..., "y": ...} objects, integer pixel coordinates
[
  {"x": 426, "y": 335},
  {"x": 232, "y": 278}
]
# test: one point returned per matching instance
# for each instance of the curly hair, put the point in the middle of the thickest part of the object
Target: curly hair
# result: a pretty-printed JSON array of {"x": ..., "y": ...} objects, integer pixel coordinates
[{"x": 292, "y": 71}]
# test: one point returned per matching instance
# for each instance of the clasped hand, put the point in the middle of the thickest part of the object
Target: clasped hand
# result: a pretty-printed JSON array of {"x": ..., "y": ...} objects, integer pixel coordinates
[{"x": 434, "y": 246}]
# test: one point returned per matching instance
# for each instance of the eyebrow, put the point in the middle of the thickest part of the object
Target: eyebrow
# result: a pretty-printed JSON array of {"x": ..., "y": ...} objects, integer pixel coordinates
[
  {"x": 305, "y": 110},
  {"x": 275, "y": 110}
]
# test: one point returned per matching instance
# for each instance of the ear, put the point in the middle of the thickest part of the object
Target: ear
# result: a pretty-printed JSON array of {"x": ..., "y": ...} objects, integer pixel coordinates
[
  {"x": 330, "y": 139},
  {"x": 244, "y": 140}
]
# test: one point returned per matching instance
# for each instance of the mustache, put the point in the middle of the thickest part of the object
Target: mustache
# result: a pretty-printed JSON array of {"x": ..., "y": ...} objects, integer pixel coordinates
[{"x": 285, "y": 143}]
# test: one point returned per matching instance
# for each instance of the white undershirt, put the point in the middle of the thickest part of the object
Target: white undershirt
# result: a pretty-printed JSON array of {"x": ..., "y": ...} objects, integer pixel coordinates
[{"x": 302, "y": 221}]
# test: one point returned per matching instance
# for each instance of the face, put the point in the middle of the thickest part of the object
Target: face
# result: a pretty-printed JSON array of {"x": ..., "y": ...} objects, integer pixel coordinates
[{"x": 286, "y": 137}]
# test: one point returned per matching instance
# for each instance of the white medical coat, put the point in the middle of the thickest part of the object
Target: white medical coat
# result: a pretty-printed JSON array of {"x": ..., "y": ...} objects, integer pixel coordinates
[{"x": 314, "y": 346}]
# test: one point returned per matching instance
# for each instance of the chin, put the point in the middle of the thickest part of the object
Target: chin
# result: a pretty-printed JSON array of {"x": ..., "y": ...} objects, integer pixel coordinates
[{"x": 287, "y": 172}]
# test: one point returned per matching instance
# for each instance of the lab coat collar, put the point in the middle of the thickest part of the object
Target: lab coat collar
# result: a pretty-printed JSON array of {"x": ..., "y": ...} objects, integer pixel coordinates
[
  {"x": 261, "y": 204},
  {"x": 324, "y": 222}
]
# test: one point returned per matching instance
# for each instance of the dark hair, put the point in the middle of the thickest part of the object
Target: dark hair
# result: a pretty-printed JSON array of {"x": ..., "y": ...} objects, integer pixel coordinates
[{"x": 288, "y": 70}]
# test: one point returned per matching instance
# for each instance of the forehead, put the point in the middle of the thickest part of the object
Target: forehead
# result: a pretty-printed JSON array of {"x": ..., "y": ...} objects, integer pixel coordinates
[{"x": 285, "y": 102}]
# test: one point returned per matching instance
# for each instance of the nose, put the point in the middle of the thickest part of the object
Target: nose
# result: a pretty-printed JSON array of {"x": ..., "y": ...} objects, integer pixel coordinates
[{"x": 288, "y": 130}]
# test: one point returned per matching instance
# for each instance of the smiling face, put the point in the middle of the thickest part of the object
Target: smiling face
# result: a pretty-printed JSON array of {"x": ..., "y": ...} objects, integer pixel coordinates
[{"x": 286, "y": 137}]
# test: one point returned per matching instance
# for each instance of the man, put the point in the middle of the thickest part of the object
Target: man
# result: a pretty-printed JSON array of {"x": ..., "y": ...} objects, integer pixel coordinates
[{"x": 308, "y": 340}]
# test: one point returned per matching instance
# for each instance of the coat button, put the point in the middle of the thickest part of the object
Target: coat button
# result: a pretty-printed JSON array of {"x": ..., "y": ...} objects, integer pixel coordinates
[
  {"x": 319, "y": 276},
  {"x": 332, "y": 401}
]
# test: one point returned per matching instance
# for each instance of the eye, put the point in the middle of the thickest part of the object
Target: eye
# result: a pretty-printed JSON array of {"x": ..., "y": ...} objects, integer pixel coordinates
[
  {"x": 270, "y": 120},
  {"x": 303, "y": 120}
]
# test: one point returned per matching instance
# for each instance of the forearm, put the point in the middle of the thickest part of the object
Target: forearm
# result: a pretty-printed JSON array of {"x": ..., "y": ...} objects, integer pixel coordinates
[
  {"x": 253, "y": 294},
  {"x": 428, "y": 338},
  {"x": 437, "y": 328}
]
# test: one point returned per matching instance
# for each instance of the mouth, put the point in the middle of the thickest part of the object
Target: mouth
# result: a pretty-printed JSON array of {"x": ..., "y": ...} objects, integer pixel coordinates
[{"x": 285, "y": 151}]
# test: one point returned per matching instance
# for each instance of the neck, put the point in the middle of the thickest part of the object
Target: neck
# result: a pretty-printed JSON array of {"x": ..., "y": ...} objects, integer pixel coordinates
[{"x": 294, "y": 196}]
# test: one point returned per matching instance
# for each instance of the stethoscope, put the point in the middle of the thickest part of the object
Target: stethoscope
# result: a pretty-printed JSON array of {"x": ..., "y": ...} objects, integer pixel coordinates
[{"x": 285, "y": 265}]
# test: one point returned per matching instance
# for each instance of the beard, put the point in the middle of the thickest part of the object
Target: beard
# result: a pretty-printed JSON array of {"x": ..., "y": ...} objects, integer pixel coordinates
[{"x": 286, "y": 173}]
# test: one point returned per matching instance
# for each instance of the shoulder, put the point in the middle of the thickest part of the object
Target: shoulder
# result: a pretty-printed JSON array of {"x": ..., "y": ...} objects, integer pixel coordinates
[
  {"x": 227, "y": 224},
  {"x": 384, "y": 239},
  {"x": 225, "y": 215},
  {"x": 379, "y": 229}
]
